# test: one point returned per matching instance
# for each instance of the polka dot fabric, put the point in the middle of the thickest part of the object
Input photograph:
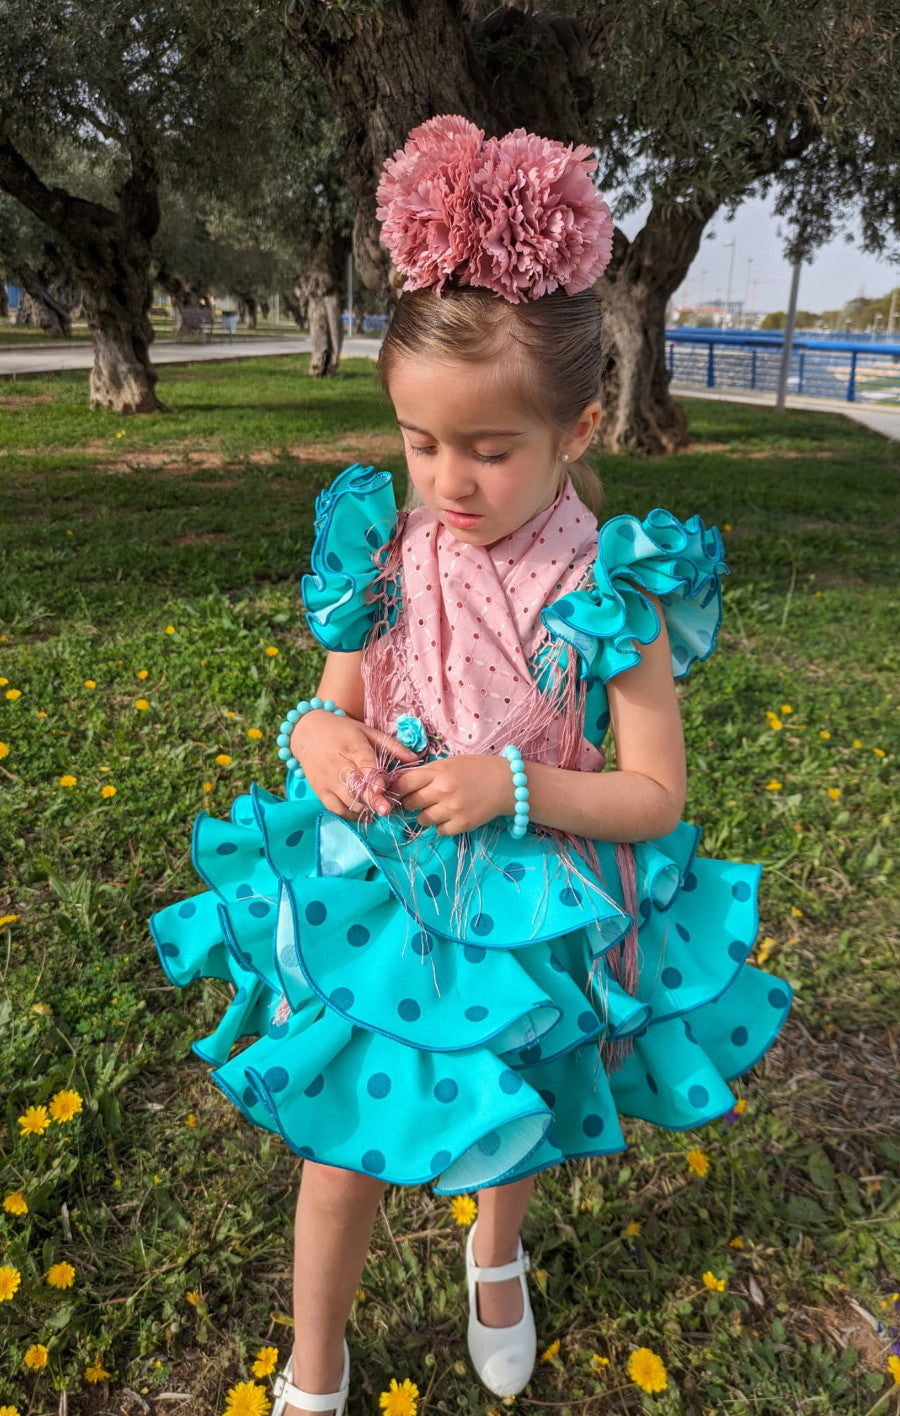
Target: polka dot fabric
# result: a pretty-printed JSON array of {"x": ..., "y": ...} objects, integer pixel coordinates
[{"x": 432, "y": 1010}]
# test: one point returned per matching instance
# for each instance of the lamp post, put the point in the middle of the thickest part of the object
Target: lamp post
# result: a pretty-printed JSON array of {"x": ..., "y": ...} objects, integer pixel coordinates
[
  {"x": 748, "y": 306},
  {"x": 730, "y": 273}
]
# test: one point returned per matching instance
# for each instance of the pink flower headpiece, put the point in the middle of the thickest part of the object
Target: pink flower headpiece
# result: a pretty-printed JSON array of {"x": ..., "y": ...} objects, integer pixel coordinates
[{"x": 518, "y": 215}]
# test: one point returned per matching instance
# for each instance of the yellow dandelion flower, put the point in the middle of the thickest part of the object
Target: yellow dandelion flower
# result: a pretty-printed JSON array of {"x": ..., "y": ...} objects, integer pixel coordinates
[
  {"x": 170, "y": 629},
  {"x": 9, "y": 1411},
  {"x": 551, "y": 1352},
  {"x": 108, "y": 791},
  {"x": 698, "y": 1162},
  {"x": 141, "y": 705},
  {"x": 765, "y": 949},
  {"x": 90, "y": 683},
  {"x": 824, "y": 734},
  {"x": 222, "y": 759},
  {"x": 35, "y": 1121},
  {"x": 143, "y": 673},
  {"x": 247, "y": 1399},
  {"x": 735, "y": 1243},
  {"x": 60, "y": 1275},
  {"x": 775, "y": 722},
  {"x": 797, "y": 914},
  {"x": 878, "y": 751},
  {"x": 207, "y": 786},
  {"x": 15, "y": 1203},
  {"x": 740, "y": 1106},
  {"x": 4, "y": 681},
  {"x": 195, "y": 1298},
  {"x": 190, "y": 1120},
  {"x": 889, "y": 1302},
  {"x": 786, "y": 709},
  {"x": 13, "y": 693},
  {"x": 36, "y": 1356},
  {"x": 230, "y": 713},
  {"x": 774, "y": 786},
  {"x": 716, "y": 1285},
  {"x": 254, "y": 733},
  {"x": 65, "y": 1104},
  {"x": 633, "y": 1229},
  {"x": 856, "y": 742},
  {"x": 10, "y": 1278},
  {"x": 8, "y": 919},
  {"x": 360, "y": 1295},
  {"x": 96, "y": 1372},
  {"x": 727, "y": 526},
  {"x": 834, "y": 793},
  {"x": 400, "y": 1399},
  {"x": 600, "y": 1363},
  {"x": 43, "y": 1009},
  {"x": 271, "y": 650},
  {"x": 463, "y": 1208},
  {"x": 266, "y": 1362},
  {"x": 67, "y": 780},
  {"x": 42, "y": 715},
  {"x": 4, "y": 750},
  {"x": 894, "y": 1369},
  {"x": 647, "y": 1370}
]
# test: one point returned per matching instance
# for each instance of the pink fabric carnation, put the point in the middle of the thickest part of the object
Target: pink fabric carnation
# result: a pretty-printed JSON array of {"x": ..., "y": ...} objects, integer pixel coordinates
[
  {"x": 424, "y": 201},
  {"x": 540, "y": 221},
  {"x": 518, "y": 215}
]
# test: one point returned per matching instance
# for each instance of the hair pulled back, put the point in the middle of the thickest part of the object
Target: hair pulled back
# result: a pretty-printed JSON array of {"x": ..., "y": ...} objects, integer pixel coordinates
[{"x": 553, "y": 343}]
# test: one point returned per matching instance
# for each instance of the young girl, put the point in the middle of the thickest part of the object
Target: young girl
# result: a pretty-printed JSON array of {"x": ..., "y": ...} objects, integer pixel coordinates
[{"x": 462, "y": 946}]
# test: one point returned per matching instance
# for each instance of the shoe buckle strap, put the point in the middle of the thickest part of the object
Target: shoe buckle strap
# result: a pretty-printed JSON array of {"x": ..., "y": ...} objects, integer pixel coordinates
[
  {"x": 308, "y": 1400},
  {"x": 499, "y": 1272}
]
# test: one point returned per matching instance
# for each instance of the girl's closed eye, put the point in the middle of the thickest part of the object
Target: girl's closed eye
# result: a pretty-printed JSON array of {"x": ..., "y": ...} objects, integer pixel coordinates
[{"x": 490, "y": 456}]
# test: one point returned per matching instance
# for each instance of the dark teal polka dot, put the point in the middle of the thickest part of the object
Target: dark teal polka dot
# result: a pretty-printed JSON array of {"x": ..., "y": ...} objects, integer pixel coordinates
[
  {"x": 474, "y": 953},
  {"x": 357, "y": 935},
  {"x": 187, "y": 910},
  {"x": 515, "y": 871},
  {"x": 440, "y": 1160},
  {"x": 592, "y": 1125},
  {"x": 778, "y": 998},
  {"x": 569, "y": 897},
  {"x": 564, "y": 608},
  {"x": 343, "y": 999},
  {"x": 510, "y": 1081},
  {"x": 316, "y": 912},
  {"x": 489, "y": 1144},
  {"x": 587, "y": 1021},
  {"x": 378, "y": 1085},
  {"x": 602, "y": 722},
  {"x": 374, "y": 539},
  {"x": 276, "y": 1079},
  {"x": 555, "y": 963},
  {"x": 298, "y": 788},
  {"x": 422, "y": 944},
  {"x": 243, "y": 891},
  {"x": 550, "y": 1135},
  {"x": 433, "y": 885},
  {"x": 249, "y": 1097},
  {"x": 644, "y": 909},
  {"x": 683, "y": 933},
  {"x": 226, "y": 848},
  {"x": 259, "y": 908},
  {"x": 477, "y": 1013},
  {"x": 739, "y": 1037},
  {"x": 680, "y": 654},
  {"x": 169, "y": 951},
  {"x": 741, "y": 891},
  {"x": 409, "y": 1010},
  {"x": 530, "y": 1055},
  {"x": 651, "y": 1083},
  {"x": 278, "y": 1029},
  {"x": 446, "y": 1089},
  {"x": 373, "y": 1161},
  {"x": 690, "y": 882},
  {"x": 307, "y": 1152},
  {"x": 294, "y": 838},
  {"x": 625, "y": 531},
  {"x": 698, "y": 1096},
  {"x": 482, "y": 924},
  {"x": 548, "y": 1098},
  {"x": 737, "y": 951},
  {"x": 671, "y": 978},
  {"x": 333, "y": 561},
  {"x": 315, "y": 1086}
]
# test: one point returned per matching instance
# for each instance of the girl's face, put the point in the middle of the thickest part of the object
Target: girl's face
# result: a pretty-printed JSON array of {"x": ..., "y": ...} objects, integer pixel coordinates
[{"x": 479, "y": 460}]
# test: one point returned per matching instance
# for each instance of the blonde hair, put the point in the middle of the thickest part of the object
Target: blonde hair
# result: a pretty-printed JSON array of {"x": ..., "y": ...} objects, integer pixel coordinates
[{"x": 554, "y": 343}]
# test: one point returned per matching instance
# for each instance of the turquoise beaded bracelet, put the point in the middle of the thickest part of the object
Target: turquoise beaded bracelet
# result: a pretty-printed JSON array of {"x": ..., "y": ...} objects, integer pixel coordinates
[
  {"x": 294, "y": 716},
  {"x": 519, "y": 824}
]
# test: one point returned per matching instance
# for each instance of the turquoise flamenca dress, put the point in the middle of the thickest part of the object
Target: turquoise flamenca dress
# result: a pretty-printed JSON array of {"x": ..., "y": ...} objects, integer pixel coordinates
[{"x": 388, "y": 1021}]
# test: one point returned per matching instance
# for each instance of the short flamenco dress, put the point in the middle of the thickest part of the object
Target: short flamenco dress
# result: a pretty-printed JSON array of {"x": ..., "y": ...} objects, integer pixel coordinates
[{"x": 441, "y": 1010}]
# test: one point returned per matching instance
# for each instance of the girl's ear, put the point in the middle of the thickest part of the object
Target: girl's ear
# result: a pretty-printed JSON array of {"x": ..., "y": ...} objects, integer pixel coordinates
[{"x": 583, "y": 432}]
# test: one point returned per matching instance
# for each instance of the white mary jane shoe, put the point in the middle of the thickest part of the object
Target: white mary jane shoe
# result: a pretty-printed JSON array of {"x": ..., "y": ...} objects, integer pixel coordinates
[
  {"x": 503, "y": 1357},
  {"x": 285, "y": 1393}
]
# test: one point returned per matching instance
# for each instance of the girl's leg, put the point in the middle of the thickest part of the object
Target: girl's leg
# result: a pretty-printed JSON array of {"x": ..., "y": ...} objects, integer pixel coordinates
[
  {"x": 501, "y": 1210},
  {"x": 335, "y": 1215}
]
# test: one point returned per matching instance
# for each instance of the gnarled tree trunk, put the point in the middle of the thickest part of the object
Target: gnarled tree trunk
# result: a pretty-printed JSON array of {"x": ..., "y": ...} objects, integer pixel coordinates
[
  {"x": 247, "y": 310},
  {"x": 41, "y": 306}
]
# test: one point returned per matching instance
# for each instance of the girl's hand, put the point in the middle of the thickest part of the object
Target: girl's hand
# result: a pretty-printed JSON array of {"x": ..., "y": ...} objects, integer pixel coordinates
[
  {"x": 329, "y": 748},
  {"x": 457, "y": 794}
]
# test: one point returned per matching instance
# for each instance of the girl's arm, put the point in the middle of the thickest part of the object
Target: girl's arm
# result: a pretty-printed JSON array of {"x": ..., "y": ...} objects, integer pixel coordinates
[{"x": 639, "y": 800}]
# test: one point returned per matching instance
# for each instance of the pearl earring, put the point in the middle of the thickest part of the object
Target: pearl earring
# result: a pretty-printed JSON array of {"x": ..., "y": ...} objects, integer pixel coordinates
[{"x": 565, "y": 457}]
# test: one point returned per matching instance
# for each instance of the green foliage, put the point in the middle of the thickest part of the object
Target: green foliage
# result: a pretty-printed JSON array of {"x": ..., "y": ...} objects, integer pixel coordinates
[{"x": 157, "y": 1190}]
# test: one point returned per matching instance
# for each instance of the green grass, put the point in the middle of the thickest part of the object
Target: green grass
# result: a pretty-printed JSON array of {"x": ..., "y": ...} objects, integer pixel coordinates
[{"x": 201, "y": 520}]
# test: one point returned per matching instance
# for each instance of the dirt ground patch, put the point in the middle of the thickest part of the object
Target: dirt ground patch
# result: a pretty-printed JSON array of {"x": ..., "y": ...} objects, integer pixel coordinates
[
  {"x": 366, "y": 447},
  {"x": 25, "y": 400}
]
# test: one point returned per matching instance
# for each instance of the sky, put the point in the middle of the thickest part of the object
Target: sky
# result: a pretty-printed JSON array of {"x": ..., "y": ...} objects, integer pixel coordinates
[{"x": 760, "y": 274}]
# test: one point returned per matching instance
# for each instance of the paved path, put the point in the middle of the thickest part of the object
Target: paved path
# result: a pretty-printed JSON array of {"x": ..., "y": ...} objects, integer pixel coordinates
[{"x": 51, "y": 358}]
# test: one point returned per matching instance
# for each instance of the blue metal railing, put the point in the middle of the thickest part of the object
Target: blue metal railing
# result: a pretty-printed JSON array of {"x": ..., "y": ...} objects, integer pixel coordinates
[{"x": 751, "y": 359}]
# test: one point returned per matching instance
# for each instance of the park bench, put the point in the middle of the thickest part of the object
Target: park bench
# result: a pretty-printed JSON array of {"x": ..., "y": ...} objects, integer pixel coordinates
[{"x": 198, "y": 321}]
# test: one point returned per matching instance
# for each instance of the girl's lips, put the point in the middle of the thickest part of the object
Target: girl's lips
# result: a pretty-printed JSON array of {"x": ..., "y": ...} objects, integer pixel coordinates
[{"x": 463, "y": 519}]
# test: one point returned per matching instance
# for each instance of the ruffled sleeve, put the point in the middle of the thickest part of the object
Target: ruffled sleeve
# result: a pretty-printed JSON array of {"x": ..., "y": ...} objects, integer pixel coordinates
[
  {"x": 681, "y": 562},
  {"x": 355, "y": 519}
]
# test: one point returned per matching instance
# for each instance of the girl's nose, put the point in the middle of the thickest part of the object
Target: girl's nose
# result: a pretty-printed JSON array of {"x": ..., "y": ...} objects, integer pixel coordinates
[{"x": 453, "y": 477}]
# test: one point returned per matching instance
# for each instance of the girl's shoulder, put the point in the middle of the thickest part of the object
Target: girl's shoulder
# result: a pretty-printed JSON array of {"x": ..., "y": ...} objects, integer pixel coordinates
[
  {"x": 679, "y": 563},
  {"x": 355, "y": 520}
]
